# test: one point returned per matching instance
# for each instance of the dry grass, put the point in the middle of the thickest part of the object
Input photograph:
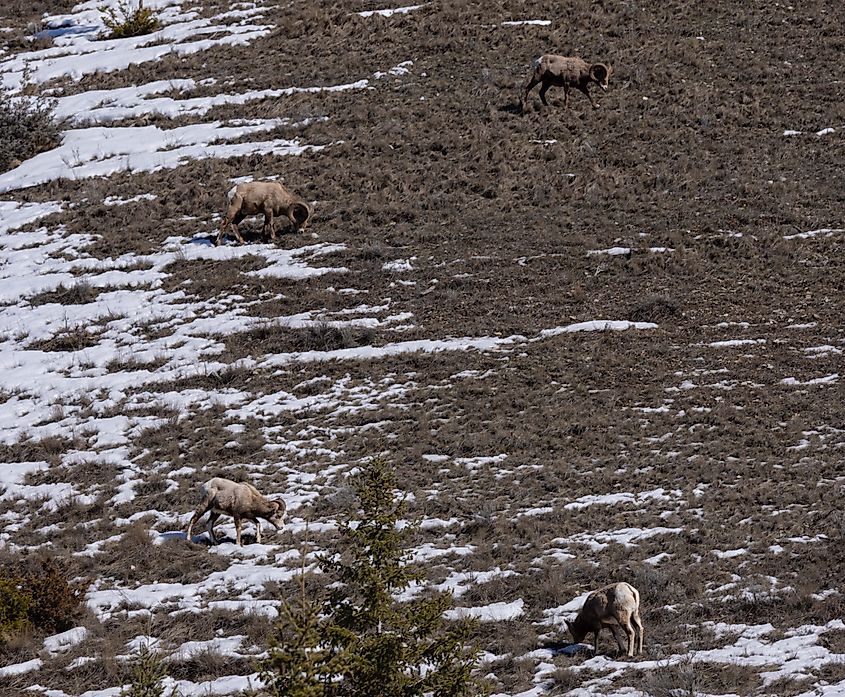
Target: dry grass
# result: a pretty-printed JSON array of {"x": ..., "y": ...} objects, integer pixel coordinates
[
  {"x": 834, "y": 641},
  {"x": 690, "y": 678},
  {"x": 655, "y": 309},
  {"x": 73, "y": 338},
  {"x": 500, "y": 234},
  {"x": 274, "y": 337},
  {"x": 514, "y": 675},
  {"x": 77, "y": 294}
]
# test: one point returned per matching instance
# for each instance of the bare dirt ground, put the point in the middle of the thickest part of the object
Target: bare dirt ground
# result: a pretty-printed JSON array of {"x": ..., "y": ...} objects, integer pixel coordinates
[{"x": 701, "y": 460}]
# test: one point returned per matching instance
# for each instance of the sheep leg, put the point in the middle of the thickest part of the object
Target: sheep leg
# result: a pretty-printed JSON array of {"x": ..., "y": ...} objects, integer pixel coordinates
[
  {"x": 532, "y": 83},
  {"x": 543, "y": 90},
  {"x": 629, "y": 633},
  {"x": 614, "y": 629},
  {"x": 565, "y": 95},
  {"x": 212, "y": 519},
  {"x": 234, "y": 221},
  {"x": 222, "y": 232},
  {"x": 238, "y": 531},
  {"x": 237, "y": 220},
  {"x": 269, "y": 223},
  {"x": 596, "y": 641},
  {"x": 233, "y": 216},
  {"x": 198, "y": 513},
  {"x": 586, "y": 91},
  {"x": 638, "y": 625},
  {"x": 257, "y": 531}
]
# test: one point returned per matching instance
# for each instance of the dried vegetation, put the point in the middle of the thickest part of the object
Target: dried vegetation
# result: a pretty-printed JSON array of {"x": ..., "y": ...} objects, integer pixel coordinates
[{"x": 686, "y": 154}]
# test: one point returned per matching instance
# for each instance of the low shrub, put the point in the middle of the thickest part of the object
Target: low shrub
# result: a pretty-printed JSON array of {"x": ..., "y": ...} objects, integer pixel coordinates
[
  {"x": 56, "y": 604},
  {"x": 27, "y": 127},
  {"x": 125, "y": 22},
  {"x": 40, "y": 596},
  {"x": 15, "y": 604}
]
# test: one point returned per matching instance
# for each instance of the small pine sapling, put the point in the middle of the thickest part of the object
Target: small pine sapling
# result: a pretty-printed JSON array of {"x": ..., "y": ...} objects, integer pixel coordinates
[{"x": 360, "y": 640}]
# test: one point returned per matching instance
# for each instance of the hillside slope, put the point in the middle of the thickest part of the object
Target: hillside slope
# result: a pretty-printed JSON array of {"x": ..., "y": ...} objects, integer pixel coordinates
[{"x": 598, "y": 345}]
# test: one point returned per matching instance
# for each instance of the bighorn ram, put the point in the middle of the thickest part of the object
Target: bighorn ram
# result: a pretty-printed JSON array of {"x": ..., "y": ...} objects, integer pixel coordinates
[
  {"x": 566, "y": 73},
  {"x": 614, "y": 606},
  {"x": 267, "y": 198},
  {"x": 239, "y": 500}
]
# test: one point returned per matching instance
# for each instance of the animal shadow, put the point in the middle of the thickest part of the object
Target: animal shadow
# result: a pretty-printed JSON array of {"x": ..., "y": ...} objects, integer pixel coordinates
[{"x": 566, "y": 648}]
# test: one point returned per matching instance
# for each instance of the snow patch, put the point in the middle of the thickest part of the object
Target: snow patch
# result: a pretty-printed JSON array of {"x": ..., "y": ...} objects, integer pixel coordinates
[{"x": 495, "y": 612}]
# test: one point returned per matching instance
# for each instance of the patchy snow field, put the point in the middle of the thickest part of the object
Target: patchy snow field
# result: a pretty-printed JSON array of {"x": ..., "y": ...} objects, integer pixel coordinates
[{"x": 554, "y": 435}]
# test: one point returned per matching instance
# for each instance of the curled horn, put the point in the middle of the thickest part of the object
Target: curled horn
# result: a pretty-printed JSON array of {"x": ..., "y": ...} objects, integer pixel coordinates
[
  {"x": 300, "y": 213},
  {"x": 599, "y": 72}
]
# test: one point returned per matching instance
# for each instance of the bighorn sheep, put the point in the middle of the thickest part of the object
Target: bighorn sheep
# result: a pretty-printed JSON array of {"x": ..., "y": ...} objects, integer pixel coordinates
[
  {"x": 239, "y": 500},
  {"x": 566, "y": 73},
  {"x": 614, "y": 606},
  {"x": 267, "y": 198}
]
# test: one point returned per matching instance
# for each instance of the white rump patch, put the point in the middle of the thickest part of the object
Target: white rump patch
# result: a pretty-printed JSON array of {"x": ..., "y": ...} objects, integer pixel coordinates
[{"x": 231, "y": 193}]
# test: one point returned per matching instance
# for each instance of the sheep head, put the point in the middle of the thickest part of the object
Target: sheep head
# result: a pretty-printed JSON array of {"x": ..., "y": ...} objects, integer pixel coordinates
[
  {"x": 576, "y": 630},
  {"x": 300, "y": 212},
  {"x": 600, "y": 74},
  {"x": 278, "y": 510}
]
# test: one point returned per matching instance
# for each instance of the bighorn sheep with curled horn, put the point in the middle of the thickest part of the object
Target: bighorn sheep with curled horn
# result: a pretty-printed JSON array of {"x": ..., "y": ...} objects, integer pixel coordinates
[
  {"x": 239, "y": 500},
  {"x": 614, "y": 606},
  {"x": 268, "y": 198},
  {"x": 566, "y": 72}
]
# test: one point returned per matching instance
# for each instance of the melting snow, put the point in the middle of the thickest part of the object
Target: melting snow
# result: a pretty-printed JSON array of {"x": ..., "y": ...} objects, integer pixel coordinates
[
  {"x": 77, "y": 50},
  {"x": 391, "y": 11},
  {"x": 19, "y": 668},
  {"x": 66, "y": 640},
  {"x": 821, "y": 232},
  {"x": 495, "y": 612},
  {"x": 99, "y": 151},
  {"x": 600, "y": 325},
  {"x": 529, "y": 22}
]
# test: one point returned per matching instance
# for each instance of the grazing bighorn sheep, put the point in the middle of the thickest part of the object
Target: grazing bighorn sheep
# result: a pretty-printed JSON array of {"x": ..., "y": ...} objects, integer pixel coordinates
[
  {"x": 239, "y": 500},
  {"x": 566, "y": 73},
  {"x": 267, "y": 198},
  {"x": 614, "y": 606}
]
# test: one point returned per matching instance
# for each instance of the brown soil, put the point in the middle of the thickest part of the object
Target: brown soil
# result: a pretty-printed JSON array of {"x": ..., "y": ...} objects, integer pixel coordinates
[{"x": 687, "y": 152}]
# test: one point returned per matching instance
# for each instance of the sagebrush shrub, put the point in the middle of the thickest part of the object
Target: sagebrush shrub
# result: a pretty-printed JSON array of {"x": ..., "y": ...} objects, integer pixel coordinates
[
  {"x": 124, "y": 21},
  {"x": 38, "y": 596},
  {"x": 56, "y": 604},
  {"x": 15, "y": 603},
  {"x": 27, "y": 127}
]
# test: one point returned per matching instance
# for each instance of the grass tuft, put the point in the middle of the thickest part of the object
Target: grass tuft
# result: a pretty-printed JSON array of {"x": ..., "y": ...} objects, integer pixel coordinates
[
  {"x": 655, "y": 308},
  {"x": 79, "y": 293},
  {"x": 27, "y": 127}
]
